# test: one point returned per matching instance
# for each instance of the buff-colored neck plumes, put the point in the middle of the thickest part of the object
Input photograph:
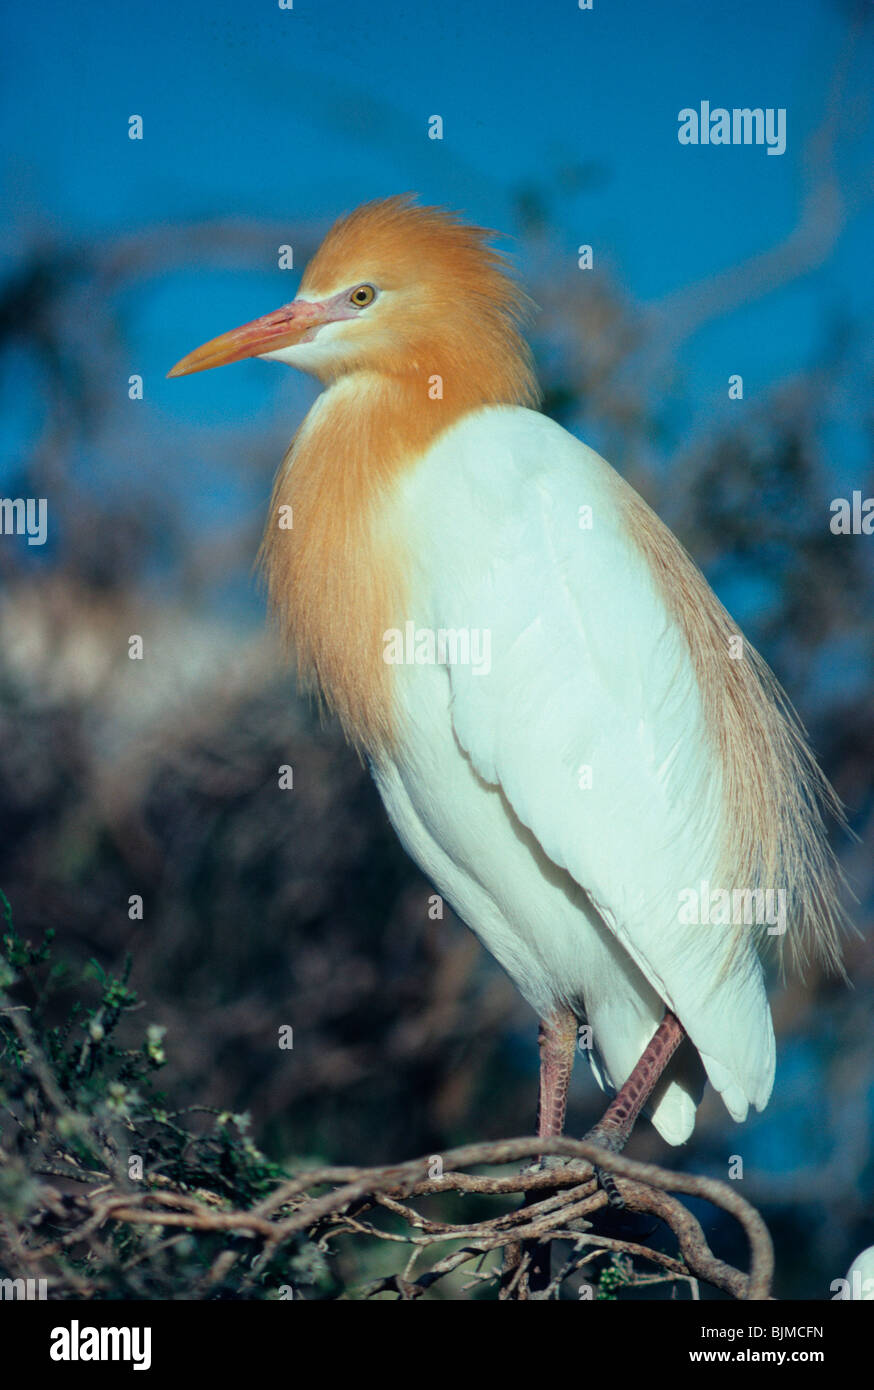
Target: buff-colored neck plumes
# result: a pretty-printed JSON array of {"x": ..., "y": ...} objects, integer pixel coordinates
[{"x": 336, "y": 577}]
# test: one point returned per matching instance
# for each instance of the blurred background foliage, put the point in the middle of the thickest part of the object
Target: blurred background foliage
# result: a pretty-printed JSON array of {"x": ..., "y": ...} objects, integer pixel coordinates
[{"x": 264, "y": 907}]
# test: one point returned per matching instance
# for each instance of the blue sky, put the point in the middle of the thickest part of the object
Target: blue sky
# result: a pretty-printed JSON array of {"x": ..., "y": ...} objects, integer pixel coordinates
[
  {"x": 250, "y": 110},
  {"x": 254, "y": 110},
  {"x": 278, "y": 113}
]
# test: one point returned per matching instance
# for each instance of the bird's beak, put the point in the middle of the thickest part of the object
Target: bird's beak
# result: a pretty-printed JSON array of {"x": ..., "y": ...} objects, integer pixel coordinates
[{"x": 280, "y": 329}]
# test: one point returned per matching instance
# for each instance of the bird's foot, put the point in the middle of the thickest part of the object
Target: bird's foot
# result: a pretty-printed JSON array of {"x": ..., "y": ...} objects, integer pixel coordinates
[
  {"x": 607, "y": 1139},
  {"x": 545, "y": 1164}
]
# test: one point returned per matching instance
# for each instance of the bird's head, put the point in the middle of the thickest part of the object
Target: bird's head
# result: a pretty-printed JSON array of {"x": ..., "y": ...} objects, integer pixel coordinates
[{"x": 399, "y": 290}]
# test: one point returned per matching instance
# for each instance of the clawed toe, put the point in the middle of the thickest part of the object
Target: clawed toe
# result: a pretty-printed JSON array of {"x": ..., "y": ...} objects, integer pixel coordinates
[
  {"x": 605, "y": 1139},
  {"x": 607, "y": 1181}
]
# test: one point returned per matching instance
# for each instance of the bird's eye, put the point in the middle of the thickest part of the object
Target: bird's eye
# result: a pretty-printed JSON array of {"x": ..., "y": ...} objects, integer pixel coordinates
[{"x": 362, "y": 296}]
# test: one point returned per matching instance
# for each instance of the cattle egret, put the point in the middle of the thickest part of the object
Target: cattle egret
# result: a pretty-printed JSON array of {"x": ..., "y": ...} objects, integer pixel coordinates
[{"x": 568, "y": 733}]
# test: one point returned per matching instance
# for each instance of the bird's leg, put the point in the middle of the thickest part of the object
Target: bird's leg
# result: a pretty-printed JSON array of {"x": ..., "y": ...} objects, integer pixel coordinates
[
  {"x": 614, "y": 1128},
  {"x": 558, "y": 1043}
]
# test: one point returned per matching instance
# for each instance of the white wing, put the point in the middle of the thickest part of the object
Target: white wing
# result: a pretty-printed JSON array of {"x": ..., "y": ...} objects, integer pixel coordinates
[{"x": 590, "y": 720}]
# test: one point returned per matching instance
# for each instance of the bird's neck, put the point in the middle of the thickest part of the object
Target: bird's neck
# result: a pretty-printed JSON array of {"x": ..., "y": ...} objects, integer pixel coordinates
[{"x": 334, "y": 547}]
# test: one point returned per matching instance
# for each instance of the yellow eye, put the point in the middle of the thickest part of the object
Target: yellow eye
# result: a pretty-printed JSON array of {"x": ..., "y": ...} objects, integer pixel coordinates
[{"x": 362, "y": 296}]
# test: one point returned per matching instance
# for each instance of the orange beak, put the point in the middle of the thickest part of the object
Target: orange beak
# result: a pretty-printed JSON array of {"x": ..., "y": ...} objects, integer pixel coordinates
[{"x": 282, "y": 328}]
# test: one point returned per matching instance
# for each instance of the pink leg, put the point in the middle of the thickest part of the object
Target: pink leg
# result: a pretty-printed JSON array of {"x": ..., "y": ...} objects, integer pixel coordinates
[
  {"x": 617, "y": 1122},
  {"x": 558, "y": 1042},
  {"x": 614, "y": 1128}
]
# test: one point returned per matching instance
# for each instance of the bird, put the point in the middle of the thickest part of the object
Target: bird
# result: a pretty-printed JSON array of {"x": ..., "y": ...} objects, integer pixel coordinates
[{"x": 570, "y": 734}]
